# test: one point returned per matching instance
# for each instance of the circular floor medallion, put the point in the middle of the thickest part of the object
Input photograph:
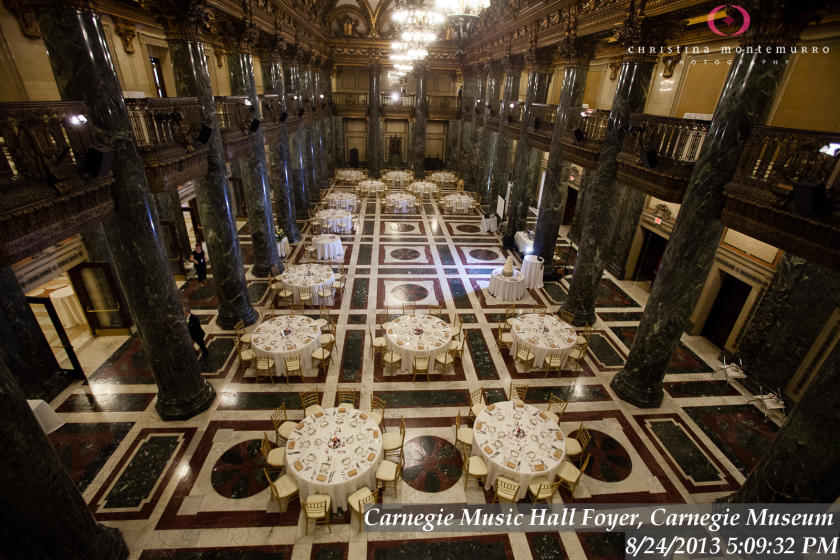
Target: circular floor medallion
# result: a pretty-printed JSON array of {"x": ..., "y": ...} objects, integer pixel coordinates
[
  {"x": 410, "y": 292},
  {"x": 432, "y": 464},
  {"x": 485, "y": 255},
  {"x": 239, "y": 471},
  {"x": 468, "y": 228},
  {"x": 608, "y": 460},
  {"x": 405, "y": 254},
  {"x": 402, "y": 228}
]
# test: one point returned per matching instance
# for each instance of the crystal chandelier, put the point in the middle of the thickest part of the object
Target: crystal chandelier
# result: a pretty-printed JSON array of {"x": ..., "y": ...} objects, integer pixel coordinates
[
  {"x": 462, "y": 17},
  {"x": 417, "y": 26}
]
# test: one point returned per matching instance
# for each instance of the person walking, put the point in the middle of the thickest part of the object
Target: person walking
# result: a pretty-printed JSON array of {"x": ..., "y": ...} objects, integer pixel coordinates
[
  {"x": 196, "y": 332},
  {"x": 199, "y": 257}
]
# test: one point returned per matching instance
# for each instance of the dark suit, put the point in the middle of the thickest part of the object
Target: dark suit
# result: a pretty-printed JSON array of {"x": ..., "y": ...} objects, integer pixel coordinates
[{"x": 197, "y": 333}]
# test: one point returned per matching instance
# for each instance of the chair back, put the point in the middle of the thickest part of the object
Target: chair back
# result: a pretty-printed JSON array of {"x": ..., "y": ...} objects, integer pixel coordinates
[
  {"x": 271, "y": 485},
  {"x": 346, "y": 395},
  {"x": 317, "y": 510},
  {"x": 523, "y": 353},
  {"x": 409, "y": 308},
  {"x": 240, "y": 329},
  {"x": 547, "y": 491},
  {"x": 557, "y": 405},
  {"x": 296, "y": 308},
  {"x": 262, "y": 363},
  {"x": 421, "y": 363},
  {"x": 567, "y": 316},
  {"x": 583, "y": 436},
  {"x": 292, "y": 362},
  {"x": 308, "y": 398},
  {"x": 510, "y": 311},
  {"x": 476, "y": 397},
  {"x": 369, "y": 502},
  {"x": 506, "y": 487},
  {"x": 458, "y": 321},
  {"x": 520, "y": 390},
  {"x": 540, "y": 308},
  {"x": 402, "y": 430},
  {"x": 265, "y": 447},
  {"x": 279, "y": 416},
  {"x": 435, "y": 310},
  {"x": 457, "y": 423}
]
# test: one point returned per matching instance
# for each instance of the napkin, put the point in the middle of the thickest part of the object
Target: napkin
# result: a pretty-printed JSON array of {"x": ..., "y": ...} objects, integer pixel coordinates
[
  {"x": 400, "y": 342},
  {"x": 354, "y": 472},
  {"x": 491, "y": 407},
  {"x": 543, "y": 415},
  {"x": 318, "y": 414},
  {"x": 478, "y": 425},
  {"x": 291, "y": 445},
  {"x": 552, "y": 345},
  {"x": 558, "y": 454},
  {"x": 511, "y": 465},
  {"x": 488, "y": 449},
  {"x": 299, "y": 465},
  {"x": 397, "y": 320},
  {"x": 421, "y": 347},
  {"x": 558, "y": 435},
  {"x": 299, "y": 426},
  {"x": 520, "y": 404},
  {"x": 371, "y": 457},
  {"x": 291, "y": 316},
  {"x": 321, "y": 478},
  {"x": 539, "y": 467},
  {"x": 542, "y": 314},
  {"x": 375, "y": 434},
  {"x": 437, "y": 344},
  {"x": 342, "y": 410},
  {"x": 363, "y": 416},
  {"x": 390, "y": 331}
]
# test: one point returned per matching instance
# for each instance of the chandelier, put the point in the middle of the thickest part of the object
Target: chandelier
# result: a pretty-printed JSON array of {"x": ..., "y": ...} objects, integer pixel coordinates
[
  {"x": 416, "y": 27},
  {"x": 462, "y": 17}
]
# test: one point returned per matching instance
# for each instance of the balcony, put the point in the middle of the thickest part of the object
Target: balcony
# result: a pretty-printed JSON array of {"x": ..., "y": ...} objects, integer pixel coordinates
[
  {"x": 760, "y": 201},
  {"x": 398, "y": 105},
  {"x": 659, "y": 153},
  {"x": 294, "y": 104},
  {"x": 166, "y": 130},
  {"x": 234, "y": 123},
  {"x": 45, "y": 194},
  {"x": 584, "y": 135},
  {"x": 271, "y": 115},
  {"x": 493, "y": 116},
  {"x": 353, "y": 105},
  {"x": 513, "y": 120},
  {"x": 443, "y": 108},
  {"x": 468, "y": 109},
  {"x": 541, "y": 126}
]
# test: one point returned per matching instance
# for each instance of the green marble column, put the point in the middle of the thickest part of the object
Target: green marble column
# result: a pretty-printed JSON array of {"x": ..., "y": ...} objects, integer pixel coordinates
[
  {"x": 803, "y": 460},
  {"x": 82, "y": 67},
  {"x": 311, "y": 148},
  {"x": 375, "y": 141},
  {"x": 584, "y": 182},
  {"x": 629, "y": 206},
  {"x": 23, "y": 345},
  {"x": 418, "y": 155},
  {"x": 280, "y": 158},
  {"x": 44, "y": 515},
  {"x": 291, "y": 73},
  {"x": 475, "y": 164},
  {"x": 495, "y": 81},
  {"x": 469, "y": 152},
  {"x": 254, "y": 170},
  {"x": 453, "y": 147},
  {"x": 601, "y": 214},
  {"x": 553, "y": 200},
  {"x": 212, "y": 193},
  {"x": 744, "y": 103},
  {"x": 538, "y": 76},
  {"x": 504, "y": 146}
]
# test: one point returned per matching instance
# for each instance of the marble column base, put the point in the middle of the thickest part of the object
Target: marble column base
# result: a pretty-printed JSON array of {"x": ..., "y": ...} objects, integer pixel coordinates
[
  {"x": 184, "y": 409},
  {"x": 639, "y": 395}
]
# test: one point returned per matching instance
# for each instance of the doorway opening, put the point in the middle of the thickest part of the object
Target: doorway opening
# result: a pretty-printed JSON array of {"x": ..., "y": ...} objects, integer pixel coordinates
[
  {"x": 571, "y": 205},
  {"x": 650, "y": 259},
  {"x": 726, "y": 309}
]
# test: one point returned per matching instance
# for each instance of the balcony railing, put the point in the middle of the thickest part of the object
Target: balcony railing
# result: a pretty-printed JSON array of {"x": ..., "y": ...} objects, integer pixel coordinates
[
  {"x": 350, "y": 99},
  {"x": 234, "y": 121},
  {"x": 443, "y": 102},
  {"x": 585, "y": 130},
  {"x": 398, "y": 100},
  {"x": 271, "y": 112},
  {"x": 46, "y": 194},
  {"x": 166, "y": 130},
  {"x": 659, "y": 153},
  {"x": 542, "y": 117},
  {"x": 785, "y": 192}
]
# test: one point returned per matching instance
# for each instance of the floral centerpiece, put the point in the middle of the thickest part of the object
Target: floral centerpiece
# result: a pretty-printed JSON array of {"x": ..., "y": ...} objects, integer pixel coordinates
[
  {"x": 287, "y": 331},
  {"x": 279, "y": 234},
  {"x": 417, "y": 330},
  {"x": 543, "y": 329},
  {"x": 335, "y": 443},
  {"x": 518, "y": 432}
]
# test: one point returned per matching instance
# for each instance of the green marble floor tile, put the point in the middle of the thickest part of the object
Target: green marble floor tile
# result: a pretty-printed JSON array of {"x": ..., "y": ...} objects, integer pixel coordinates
[
  {"x": 555, "y": 292},
  {"x": 140, "y": 476},
  {"x": 569, "y": 393},
  {"x": 260, "y": 401},
  {"x": 365, "y": 252},
  {"x": 604, "y": 351},
  {"x": 351, "y": 364},
  {"x": 356, "y": 319},
  {"x": 459, "y": 293},
  {"x": 256, "y": 291},
  {"x": 360, "y": 293},
  {"x": 421, "y": 398},
  {"x": 480, "y": 354},
  {"x": 492, "y": 396},
  {"x": 684, "y": 451},
  {"x": 445, "y": 253},
  {"x": 370, "y": 227}
]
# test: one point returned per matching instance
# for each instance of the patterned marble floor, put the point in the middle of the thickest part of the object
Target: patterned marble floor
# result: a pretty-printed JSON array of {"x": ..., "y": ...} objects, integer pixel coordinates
[{"x": 194, "y": 489}]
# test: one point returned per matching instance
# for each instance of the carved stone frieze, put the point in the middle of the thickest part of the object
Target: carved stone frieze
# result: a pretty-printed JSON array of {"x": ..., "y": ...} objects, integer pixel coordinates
[
  {"x": 26, "y": 17},
  {"x": 182, "y": 20},
  {"x": 669, "y": 63},
  {"x": 126, "y": 32}
]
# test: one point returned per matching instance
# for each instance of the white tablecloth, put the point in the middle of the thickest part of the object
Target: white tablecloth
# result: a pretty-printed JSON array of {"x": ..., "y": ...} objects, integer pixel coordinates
[
  {"x": 350, "y": 175},
  {"x": 434, "y": 339},
  {"x": 67, "y": 306},
  {"x": 402, "y": 200},
  {"x": 336, "y": 219},
  {"x": 283, "y": 248},
  {"x": 296, "y": 277},
  {"x": 334, "y": 452},
  {"x": 399, "y": 177},
  {"x": 528, "y": 330},
  {"x": 489, "y": 224},
  {"x": 328, "y": 246},
  {"x": 507, "y": 289},
  {"x": 370, "y": 188},
  {"x": 422, "y": 188},
  {"x": 443, "y": 176},
  {"x": 532, "y": 266},
  {"x": 272, "y": 340},
  {"x": 46, "y": 416},
  {"x": 342, "y": 200},
  {"x": 523, "y": 243},
  {"x": 458, "y": 202},
  {"x": 516, "y": 442}
]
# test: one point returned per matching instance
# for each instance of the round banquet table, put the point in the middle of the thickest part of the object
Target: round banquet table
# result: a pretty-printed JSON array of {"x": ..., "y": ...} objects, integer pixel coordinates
[
  {"x": 283, "y": 248},
  {"x": 351, "y": 175},
  {"x": 422, "y": 188},
  {"x": 336, "y": 219},
  {"x": 526, "y": 330},
  {"x": 68, "y": 308},
  {"x": 518, "y": 441},
  {"x": 328, "y": 246},
  {"x": 272, "y": 340},
  {"x": 507, "y": 288},
  {"x": 341, "y": 200},
  {"x": 444, "y": 176},
  {"x": 532, "y": 267},
  {"x": 458, "y": 202},
  {"x": 316, "y": 277},
  {"x": 401, "y": 200},
  {"x": 370, "y": 188},
  {"x": 399, "y": 177},
  {"x": 334, "y": 452},
  {"x": 432, "y": 341}
]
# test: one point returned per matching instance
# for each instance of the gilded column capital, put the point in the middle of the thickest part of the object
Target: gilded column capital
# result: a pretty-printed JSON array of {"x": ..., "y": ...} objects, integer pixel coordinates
[
  {"x": 578, "y": 52},
  {"x": 641, "y": 36},
  {"x": 374, "y": 65},
  {"x": 182, "y": 20},
  {"x": 775, "y": 23},
  {"x": 494, "y": 68},
  {"x": 512, "y": 64}
]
